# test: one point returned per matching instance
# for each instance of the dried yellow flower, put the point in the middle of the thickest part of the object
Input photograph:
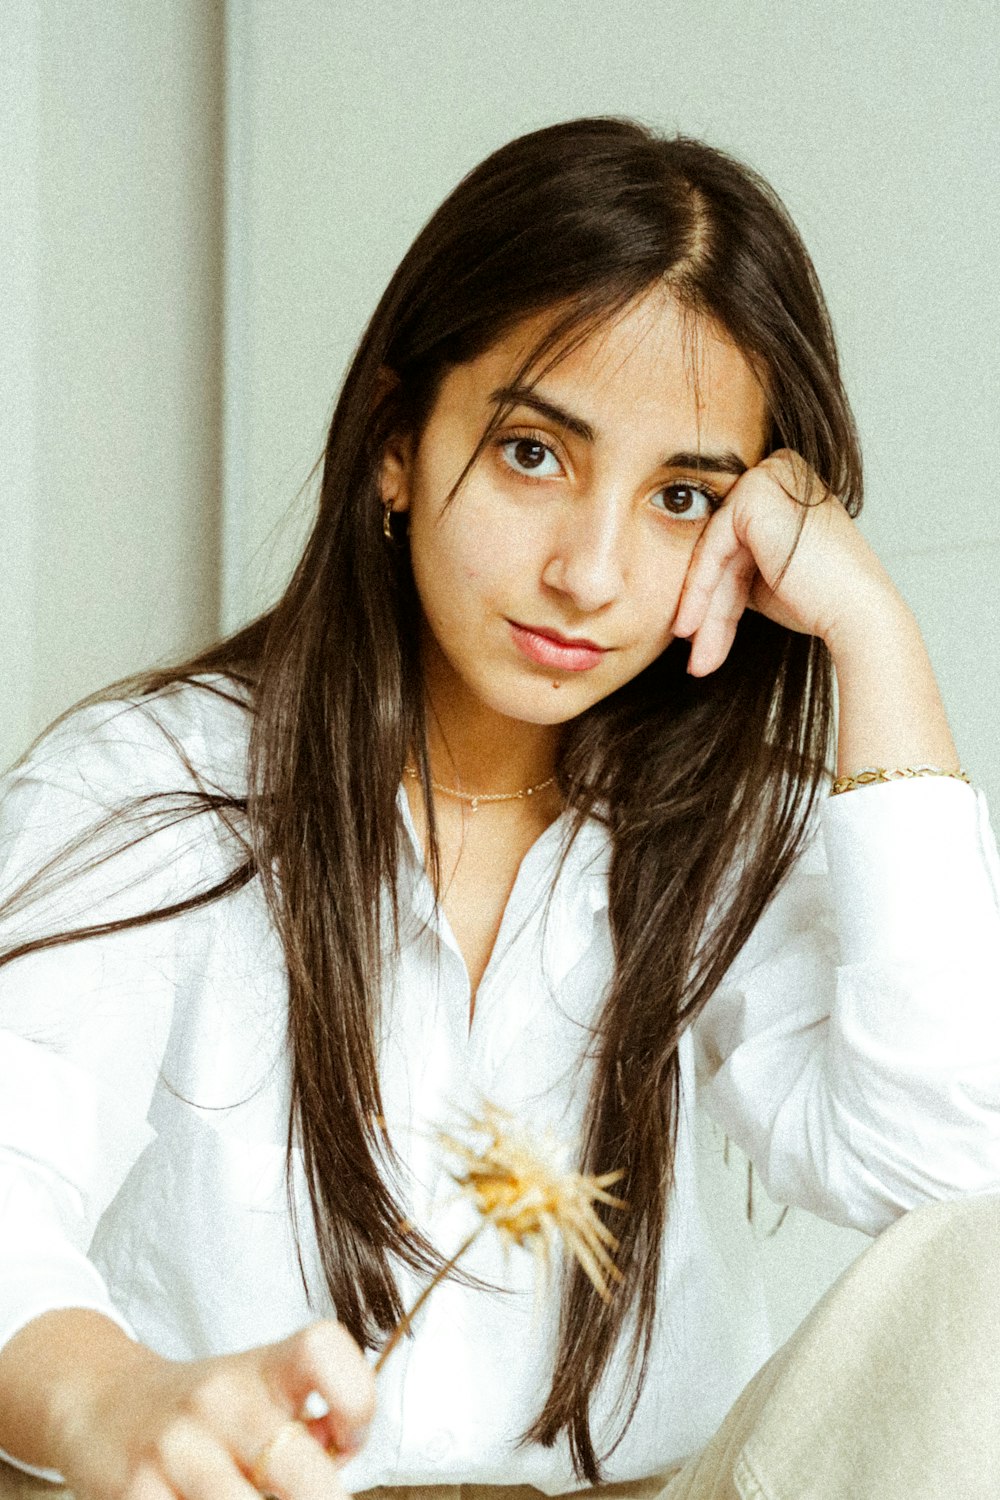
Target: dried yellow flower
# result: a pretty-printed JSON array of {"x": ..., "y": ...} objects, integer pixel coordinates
[{"x": 520, "y": 1185}]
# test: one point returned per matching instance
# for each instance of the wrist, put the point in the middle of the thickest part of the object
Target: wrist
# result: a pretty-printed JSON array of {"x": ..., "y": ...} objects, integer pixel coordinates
[
  {"x": 886, "y": 629},
  {"x": 890, "y": 712},
  {"x": 54, "y": 1377},
  {"x": 95, "y": 1384}
]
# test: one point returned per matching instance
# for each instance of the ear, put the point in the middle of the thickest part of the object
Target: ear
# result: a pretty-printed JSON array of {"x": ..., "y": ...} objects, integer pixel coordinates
[
  {"x": 396, "y": 463},
  {"x": 396, "y": 472}
]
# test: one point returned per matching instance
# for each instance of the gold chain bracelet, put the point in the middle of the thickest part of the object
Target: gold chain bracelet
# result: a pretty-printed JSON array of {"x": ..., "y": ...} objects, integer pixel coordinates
[{"x": 871, "y": 775}]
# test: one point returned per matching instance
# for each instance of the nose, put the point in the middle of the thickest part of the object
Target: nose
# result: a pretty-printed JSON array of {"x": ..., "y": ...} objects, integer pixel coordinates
[{"x": 586, "y": 561}]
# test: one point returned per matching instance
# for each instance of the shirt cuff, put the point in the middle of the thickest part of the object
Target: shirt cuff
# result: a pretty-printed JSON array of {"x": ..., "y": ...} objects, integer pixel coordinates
[{"x": 912, "y": 864}]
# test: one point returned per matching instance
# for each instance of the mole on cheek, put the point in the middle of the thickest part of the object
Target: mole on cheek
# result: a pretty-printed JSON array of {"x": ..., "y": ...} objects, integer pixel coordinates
[{"x": 556, "y": 686}]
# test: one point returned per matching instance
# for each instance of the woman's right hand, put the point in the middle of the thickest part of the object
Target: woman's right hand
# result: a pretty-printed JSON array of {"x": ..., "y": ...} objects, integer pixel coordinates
[{"x": 140, "y": 1427}]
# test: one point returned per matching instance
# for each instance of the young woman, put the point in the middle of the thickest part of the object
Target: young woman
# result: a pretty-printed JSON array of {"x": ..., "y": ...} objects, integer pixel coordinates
[{"x": 522, "y": 793}]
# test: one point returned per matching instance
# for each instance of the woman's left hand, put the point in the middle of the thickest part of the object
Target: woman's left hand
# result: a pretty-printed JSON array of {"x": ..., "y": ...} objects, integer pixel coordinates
[{"x": 825, "y": 581}]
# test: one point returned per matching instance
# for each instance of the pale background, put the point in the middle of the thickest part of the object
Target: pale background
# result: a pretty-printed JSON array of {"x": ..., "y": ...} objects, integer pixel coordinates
[{"x": 200, "y": 204}]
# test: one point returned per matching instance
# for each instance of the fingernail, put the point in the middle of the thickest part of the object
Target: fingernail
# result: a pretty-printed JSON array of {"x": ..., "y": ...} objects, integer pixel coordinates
[{"x": 315, "y": 1407}]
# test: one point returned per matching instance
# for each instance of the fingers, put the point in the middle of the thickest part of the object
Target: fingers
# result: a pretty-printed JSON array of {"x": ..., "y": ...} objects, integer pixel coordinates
[
  {"x": 715, "y": 594},
  {"x": 238, "y": 1426},
  {"x": 277, "y": 1410},
  {"x": 198, "y": 1467},
  {"x": 714, "y": 638},
  {"x": 146, "y": 1484},
  {"x": 294, "y": 1465},
  {"x": 774, "y": 546},
  {"x": 326, "y": 1359}
]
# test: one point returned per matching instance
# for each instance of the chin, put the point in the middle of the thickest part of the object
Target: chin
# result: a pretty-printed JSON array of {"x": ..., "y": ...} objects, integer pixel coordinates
[{"x": 552, "y": 701}]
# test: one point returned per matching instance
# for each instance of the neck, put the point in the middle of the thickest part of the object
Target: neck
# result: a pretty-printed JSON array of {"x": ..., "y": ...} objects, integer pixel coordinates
[
  {"x": 488, "y": 753},
  {"x": 474, "y": 749}
]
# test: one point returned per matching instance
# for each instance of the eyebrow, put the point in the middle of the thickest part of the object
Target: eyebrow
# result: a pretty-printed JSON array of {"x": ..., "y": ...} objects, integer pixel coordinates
[{"x": 727, "y": 462}]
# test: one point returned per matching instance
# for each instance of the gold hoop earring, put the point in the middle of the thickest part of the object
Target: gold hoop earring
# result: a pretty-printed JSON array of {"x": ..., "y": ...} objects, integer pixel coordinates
[{"x": 387, "y": 522}]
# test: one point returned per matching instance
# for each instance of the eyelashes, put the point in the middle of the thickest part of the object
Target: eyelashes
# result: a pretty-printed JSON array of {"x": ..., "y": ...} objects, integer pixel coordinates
[{"x": 684, "y": 499}]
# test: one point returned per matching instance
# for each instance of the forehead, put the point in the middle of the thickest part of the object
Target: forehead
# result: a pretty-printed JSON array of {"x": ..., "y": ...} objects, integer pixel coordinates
[{"x": 656, "y": 367}]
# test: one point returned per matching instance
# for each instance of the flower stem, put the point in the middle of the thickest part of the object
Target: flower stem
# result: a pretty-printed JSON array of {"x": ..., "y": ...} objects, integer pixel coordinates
[{"x": 406, "y": 1321}]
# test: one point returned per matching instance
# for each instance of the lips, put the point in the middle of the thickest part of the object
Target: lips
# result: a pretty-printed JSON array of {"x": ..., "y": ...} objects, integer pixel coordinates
[{"x": 549, "y": 648}]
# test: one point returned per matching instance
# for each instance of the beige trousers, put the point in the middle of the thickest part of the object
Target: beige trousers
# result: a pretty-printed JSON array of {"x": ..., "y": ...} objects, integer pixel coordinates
[{"x": 889, "y": 1390}]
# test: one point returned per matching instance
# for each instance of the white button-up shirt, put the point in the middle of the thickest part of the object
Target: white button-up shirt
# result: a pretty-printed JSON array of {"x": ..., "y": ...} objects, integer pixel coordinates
[{"x": 853, "y": 1051}]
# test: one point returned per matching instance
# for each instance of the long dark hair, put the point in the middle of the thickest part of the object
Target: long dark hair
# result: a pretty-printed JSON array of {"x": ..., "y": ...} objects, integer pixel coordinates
[{"x": 696, "y": 778}]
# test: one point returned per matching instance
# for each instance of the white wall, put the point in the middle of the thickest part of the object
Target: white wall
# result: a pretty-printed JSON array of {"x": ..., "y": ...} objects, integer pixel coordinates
[
  {"x": 345, "y": 125},
  {"x": 110, "y": 378}
]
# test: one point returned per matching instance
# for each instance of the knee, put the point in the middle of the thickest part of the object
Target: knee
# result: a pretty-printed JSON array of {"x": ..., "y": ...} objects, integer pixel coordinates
[
  {"x": 953, "y": 1222},
  {"x": 949, "y": 1247}
]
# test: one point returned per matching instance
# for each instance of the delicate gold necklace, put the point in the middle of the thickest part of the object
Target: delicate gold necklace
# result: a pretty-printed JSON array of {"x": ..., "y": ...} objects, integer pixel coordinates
[{"x": 474, "y": 798}]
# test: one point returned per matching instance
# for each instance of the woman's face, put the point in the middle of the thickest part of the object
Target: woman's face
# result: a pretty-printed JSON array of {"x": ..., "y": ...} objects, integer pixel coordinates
[{"x": 554, "y": 576}]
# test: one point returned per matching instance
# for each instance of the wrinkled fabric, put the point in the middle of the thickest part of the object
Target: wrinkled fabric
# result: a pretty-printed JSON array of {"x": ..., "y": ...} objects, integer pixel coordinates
[
  {"x": 853, "y": 1051},
  {"x": 889, "y": 1388}
]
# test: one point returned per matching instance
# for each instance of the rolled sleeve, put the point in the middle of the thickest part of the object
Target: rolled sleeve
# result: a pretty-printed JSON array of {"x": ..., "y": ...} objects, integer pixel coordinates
[{"x": 854, "y": 1050}]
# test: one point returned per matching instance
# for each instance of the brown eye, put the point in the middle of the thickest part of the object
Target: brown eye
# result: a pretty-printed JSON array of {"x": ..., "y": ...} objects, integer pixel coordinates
[
  {"x": 529, "y": 456},
  {"x": 688, "y": 501}
]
